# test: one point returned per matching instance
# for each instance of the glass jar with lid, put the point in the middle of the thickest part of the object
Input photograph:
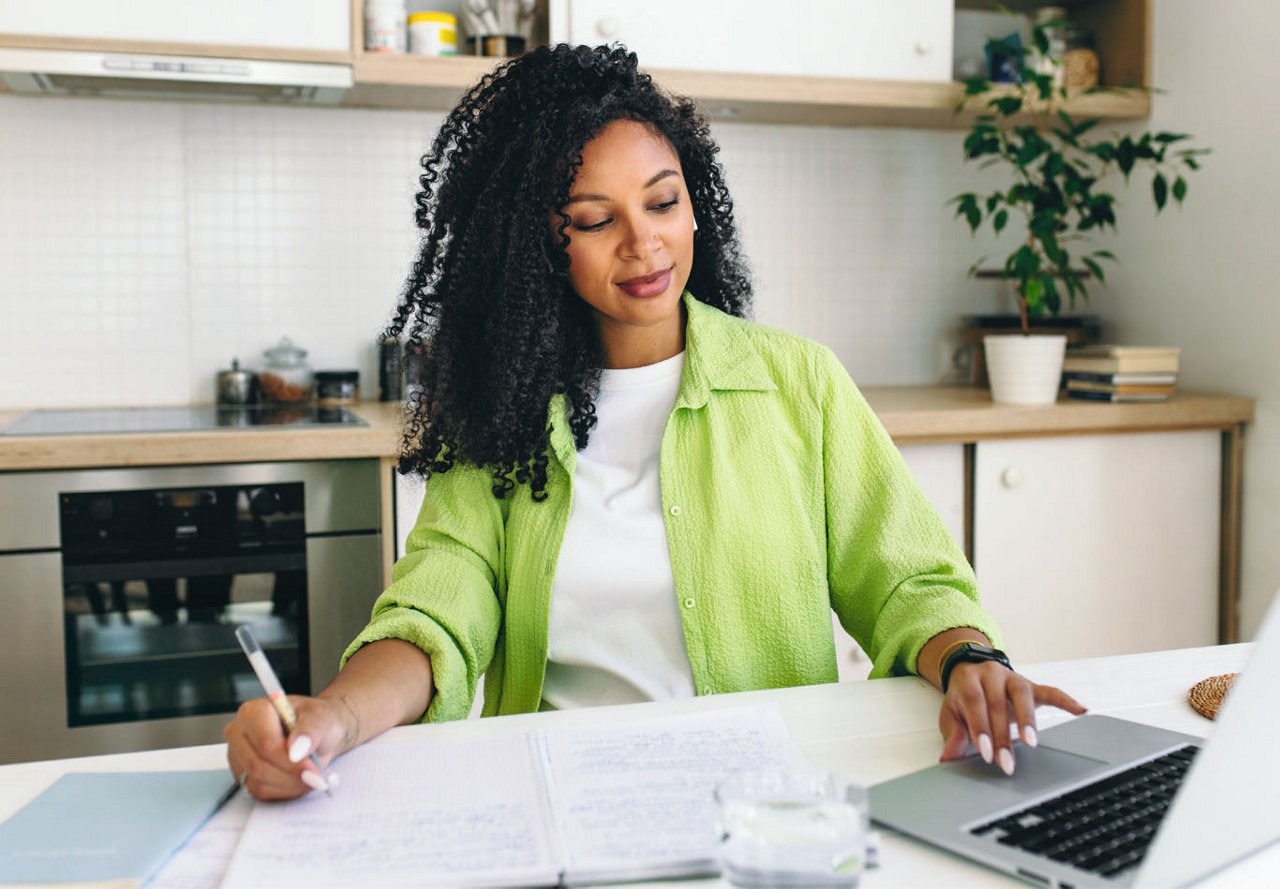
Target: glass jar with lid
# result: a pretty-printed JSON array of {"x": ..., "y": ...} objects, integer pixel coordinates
[
  {"x": 286, "y": 377},
  {"x": 1072, "y": 57}
]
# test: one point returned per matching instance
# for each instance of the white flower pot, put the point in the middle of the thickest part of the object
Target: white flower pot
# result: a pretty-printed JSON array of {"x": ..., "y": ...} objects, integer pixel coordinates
[{"x": 1024, "y": 369}]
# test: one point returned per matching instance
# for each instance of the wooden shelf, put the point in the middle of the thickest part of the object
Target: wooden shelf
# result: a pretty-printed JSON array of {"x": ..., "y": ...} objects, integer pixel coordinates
[
  {"x": 404, "y": 81},
  {"x": 436, "y": 83}
]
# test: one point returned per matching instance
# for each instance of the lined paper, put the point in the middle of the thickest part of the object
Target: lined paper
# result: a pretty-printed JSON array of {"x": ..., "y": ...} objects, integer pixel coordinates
[{"x": 443, "y": 813}]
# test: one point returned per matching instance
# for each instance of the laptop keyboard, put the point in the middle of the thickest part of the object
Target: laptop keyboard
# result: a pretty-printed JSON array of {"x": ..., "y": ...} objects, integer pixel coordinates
[{"x": 1105, "y": 827}]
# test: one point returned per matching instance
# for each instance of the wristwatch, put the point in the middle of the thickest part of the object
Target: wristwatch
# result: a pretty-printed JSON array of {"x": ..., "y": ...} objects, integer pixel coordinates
[{"x": 971, "y": 653}]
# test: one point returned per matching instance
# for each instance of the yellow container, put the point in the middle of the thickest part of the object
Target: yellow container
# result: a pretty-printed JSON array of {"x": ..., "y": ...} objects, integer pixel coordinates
[{"x": 433, "y": 34}]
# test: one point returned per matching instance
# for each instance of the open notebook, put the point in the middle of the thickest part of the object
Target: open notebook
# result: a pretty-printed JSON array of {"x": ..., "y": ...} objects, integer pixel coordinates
[{"x": 629, "y": 801}]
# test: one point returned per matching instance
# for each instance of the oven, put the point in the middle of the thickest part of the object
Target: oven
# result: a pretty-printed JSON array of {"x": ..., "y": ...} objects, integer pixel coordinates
[{"x": 122, "y": 588}]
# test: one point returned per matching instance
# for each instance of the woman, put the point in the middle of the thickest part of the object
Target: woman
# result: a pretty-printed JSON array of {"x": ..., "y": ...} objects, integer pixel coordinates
[{"x": 633, "y": 493}]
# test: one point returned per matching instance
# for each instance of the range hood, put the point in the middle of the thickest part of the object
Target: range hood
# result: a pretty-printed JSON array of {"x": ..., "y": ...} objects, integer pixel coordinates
[{"x": 198, "y": 78}]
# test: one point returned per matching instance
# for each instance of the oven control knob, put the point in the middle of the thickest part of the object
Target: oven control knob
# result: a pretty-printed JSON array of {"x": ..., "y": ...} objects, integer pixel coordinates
[{"x": 264, "y": 502}]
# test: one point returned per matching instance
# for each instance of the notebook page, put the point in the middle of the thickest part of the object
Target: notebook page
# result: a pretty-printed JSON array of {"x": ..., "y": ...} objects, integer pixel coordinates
[
  {"x": 408, "y": 813},
  {"x": 201, "y": 863},
  {"x": 634, "y": 801}
]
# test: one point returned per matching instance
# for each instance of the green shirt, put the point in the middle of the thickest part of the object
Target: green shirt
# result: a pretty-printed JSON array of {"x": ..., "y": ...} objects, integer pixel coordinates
[{"x": 783, "y": 498}]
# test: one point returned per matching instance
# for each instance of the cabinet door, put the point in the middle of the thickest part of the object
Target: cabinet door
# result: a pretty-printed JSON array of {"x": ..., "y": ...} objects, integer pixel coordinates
[
  {"x": 939, "y": 471},
  {"x": 293, "y": 24},
  {"x": 1098, "y": 545},
  {"x": 709, "y": 35},
  {"x": 901, "y": 40}
]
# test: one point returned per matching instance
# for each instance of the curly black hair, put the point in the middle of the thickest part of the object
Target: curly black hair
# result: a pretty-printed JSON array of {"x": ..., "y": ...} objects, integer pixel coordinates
[{"x": 489, "y": 293}]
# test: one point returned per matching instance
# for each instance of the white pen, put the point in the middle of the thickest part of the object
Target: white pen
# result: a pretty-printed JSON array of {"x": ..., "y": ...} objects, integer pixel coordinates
[{"x": 275, "y": 693}]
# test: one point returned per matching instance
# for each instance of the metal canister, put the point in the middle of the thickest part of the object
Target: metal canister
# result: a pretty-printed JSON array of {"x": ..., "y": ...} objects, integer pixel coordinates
[{"x": 237, "y": 386}]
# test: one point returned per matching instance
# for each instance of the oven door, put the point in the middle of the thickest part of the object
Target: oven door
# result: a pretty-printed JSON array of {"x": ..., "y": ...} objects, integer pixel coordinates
[
  {"x": 37, "y": 708},
  {"x": 84, "y": 679}
]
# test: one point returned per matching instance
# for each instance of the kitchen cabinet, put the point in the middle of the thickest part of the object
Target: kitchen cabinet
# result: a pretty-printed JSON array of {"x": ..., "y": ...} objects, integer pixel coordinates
[
  {"x": 282, "y": 30},
  {"x": 1094, "y": 545},
  {"x": 777, "y": 89},
  {"x": 906, "y": 40},
  {"x": 816, "y": 89}
]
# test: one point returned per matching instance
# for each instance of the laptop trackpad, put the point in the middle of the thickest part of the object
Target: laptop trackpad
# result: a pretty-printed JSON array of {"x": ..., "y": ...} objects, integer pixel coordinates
[{"x": 1037, "y": 769}]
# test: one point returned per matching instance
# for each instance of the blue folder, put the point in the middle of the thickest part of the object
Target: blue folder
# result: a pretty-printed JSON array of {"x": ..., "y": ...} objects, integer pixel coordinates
[{"x": 92, "y": 827}]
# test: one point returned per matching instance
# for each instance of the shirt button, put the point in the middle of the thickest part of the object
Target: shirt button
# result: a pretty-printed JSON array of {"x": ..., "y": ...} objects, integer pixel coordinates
[
  {"x": 689, "y": 602},
  {"x": 675, "y": 510}
]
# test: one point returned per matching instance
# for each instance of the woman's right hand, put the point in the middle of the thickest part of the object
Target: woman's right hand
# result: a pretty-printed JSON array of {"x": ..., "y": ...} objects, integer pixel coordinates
[{"x": 271, "y": 765}]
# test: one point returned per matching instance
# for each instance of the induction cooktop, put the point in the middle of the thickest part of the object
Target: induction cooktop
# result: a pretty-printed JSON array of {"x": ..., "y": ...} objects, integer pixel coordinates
[{"x": 107, "y": 421}]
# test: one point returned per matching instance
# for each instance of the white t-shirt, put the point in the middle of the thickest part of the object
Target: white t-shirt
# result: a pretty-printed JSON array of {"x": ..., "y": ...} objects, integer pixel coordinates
[{"x": 615, "y": 635}]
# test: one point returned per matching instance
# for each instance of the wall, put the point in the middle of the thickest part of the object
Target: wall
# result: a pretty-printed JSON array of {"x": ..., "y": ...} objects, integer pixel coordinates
[
  {"x": 1204, "y": 277},
  {"x": 143, "y": 245}
]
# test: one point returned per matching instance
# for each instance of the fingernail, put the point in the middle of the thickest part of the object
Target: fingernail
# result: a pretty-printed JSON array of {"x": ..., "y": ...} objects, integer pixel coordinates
[
  {"x": 984, "y": 747},
  {"x": 314, "y": 781},
  {"x": 1029, "y": 736},
  {"x": 1006, "y": 760},
  {"x": 299, "y": 749}
]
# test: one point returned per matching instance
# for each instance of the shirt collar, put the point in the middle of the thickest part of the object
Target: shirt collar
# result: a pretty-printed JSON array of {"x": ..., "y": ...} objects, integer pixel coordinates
[{"x": 718, "y": 356}]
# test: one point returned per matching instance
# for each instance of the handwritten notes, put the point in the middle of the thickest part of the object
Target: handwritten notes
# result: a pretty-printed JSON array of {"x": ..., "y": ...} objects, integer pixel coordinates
[
  {"x": 440, "y": 813},
  {"x": 625, "y": 801},
  {"x": 637, "y": 800}
]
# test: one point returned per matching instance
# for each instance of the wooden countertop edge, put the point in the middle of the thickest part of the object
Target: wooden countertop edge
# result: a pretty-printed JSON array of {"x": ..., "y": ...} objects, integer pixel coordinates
[{"x": 911, "y": 414}]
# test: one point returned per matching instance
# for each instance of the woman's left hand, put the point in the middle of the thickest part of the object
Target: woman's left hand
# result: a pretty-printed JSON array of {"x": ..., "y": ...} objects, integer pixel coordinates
[{"x": 982, "y": 700}]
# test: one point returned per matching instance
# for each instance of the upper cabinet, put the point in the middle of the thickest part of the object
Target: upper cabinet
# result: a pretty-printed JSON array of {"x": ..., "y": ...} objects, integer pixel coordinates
[
  {"x": 825, "y": 62},
  {"x": 903, "y": 40},
  {"x": 277, "y": 30}
]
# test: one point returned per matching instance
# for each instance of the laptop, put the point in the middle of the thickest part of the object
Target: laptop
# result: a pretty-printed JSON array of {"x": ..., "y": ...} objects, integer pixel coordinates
[{"x": 1108, "y": 802}]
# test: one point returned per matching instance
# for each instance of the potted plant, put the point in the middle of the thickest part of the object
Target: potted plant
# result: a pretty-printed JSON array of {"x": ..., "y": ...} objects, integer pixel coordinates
[{"x": 1054, "y": 197}]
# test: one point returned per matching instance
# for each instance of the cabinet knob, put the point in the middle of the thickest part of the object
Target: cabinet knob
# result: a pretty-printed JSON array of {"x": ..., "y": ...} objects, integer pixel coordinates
[
  {"x": 922, "y": 48},
  {"x": 607, "y": 26},
  {"x": 1012, "y": 478}
]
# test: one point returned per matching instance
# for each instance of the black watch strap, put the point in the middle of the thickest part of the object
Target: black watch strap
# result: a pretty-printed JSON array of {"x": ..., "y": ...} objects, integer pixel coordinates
[{"x": 971, "y": 653}]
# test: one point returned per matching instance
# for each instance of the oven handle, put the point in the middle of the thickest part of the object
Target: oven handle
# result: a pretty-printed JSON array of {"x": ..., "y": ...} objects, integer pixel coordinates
[{"x": 263, "y": 563}]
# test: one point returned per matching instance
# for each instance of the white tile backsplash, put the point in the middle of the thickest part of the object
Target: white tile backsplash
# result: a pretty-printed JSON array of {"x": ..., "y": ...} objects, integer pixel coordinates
[{"x": 145, "y": 244}]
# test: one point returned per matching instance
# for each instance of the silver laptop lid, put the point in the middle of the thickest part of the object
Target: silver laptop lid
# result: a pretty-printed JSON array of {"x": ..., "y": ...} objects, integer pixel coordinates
[{"x": 1227, "y": 807}]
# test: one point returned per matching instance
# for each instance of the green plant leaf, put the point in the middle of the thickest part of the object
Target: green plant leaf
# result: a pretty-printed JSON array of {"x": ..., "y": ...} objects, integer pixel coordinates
[
  {"x": 967, "y": 206},
  {"x": 1044, "y": 86},
  {"x": 1051, "y": 298},
  {"x": 1000, "y": 219},
  {"x": 1023, "y": 263},
  {"x": 1105, "y": 254},
  {"x": 1006, "y": 105},
  {"x": 1105, "y": 151},
  {"x": 1085, "y": 126},
  {"x": 1160, "y": 191},
  {"x": 1179, "y": 189},
  {"x": 1040, "y": 37},
  {"x": 1033, "y": 294},
  {"x": 976, "y": 86},
  {"x": 1168, "y": 138},
  {"x": 1095, "y": 267},
  {"x": 1126, "y": 155}
]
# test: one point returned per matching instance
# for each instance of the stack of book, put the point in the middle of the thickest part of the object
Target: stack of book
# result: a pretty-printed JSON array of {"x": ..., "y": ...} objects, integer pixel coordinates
[{"x": 1121, "y": 373}]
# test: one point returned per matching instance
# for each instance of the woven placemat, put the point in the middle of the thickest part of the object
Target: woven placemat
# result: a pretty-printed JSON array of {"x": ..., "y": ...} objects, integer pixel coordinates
[{"x": 1206, "y": 696}]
